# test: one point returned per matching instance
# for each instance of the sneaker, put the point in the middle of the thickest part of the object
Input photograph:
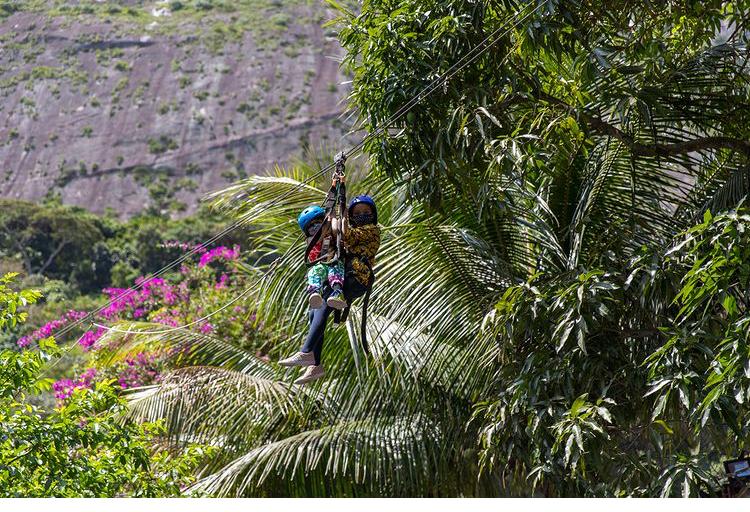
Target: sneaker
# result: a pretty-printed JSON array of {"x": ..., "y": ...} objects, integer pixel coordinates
[
  {"x": 312, "y": 373},
  {"x": 316, "y": 300},
  {"x": 299, "y": 359},
  {"x": 336, "y": 300}
]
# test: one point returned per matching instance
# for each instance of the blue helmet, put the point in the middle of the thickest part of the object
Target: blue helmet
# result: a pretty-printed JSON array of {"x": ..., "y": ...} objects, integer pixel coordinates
[
  {"x": 365, "y": 199},
  {"x": 308, "y": 215}
]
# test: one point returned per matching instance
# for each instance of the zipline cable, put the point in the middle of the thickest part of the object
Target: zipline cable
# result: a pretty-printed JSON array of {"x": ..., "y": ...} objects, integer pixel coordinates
[
  {"x": 467, "y": 59},
  {"x": 92, "y": 314},
  {"x": 464, "y": 61},
  {"x": 184, "y": 257}
]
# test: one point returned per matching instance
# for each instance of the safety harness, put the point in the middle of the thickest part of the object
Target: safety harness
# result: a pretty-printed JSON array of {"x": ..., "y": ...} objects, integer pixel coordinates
[
  {"x": 333, "y": 225},
  {"x": 333, "y": 221}
]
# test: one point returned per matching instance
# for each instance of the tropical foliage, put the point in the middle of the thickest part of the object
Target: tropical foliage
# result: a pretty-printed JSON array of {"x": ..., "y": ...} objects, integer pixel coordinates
[
  {"x": 562, "y": 289},
  {"x": 67, "y": 243},
  {"x": 582, "y": 144},
  {"x": 81, "y": 449}
]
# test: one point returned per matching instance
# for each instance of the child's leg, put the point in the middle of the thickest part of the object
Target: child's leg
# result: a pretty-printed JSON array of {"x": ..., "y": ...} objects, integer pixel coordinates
[
  {"x": 336, "y": 279},
  {"x": 336, "y": 275},
  {"x": 316, "y": 276},
  {"x": 314, "y": 341}
]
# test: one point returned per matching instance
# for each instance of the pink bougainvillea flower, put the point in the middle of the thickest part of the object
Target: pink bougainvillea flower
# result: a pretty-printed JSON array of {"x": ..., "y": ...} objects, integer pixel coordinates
[
  {"x": 221, "y": 283},
  {"x": 64, "y": 388},
  {"x": 89, "y": 338},
  {"x": 139, "y": 371},
  {"x": 221, "y": 252},
  {"x": 49, "y": 328},
  {"x": 167, "y": 318}
]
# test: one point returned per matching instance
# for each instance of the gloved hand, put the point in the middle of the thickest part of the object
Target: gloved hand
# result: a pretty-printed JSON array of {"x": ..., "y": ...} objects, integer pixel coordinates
[{"x": 338, "y": 179}]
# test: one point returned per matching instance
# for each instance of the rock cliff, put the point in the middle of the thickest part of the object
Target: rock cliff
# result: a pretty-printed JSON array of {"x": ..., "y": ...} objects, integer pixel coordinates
[{"x": 127, "y": 105}]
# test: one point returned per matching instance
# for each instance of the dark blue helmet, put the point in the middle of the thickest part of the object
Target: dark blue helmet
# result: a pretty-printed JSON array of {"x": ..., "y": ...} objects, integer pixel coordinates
[
  {"x": 308, "y": 215},
  {"x": 364, "y": 200}
]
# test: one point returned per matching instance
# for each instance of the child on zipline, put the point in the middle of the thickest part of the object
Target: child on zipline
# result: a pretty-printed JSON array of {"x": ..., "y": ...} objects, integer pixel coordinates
[
  {"x": 329, "y": 269},
  {"x": 361, "y": 242}
]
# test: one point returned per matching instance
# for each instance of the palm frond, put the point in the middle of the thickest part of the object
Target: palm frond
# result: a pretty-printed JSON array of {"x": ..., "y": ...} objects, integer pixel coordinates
[
  {"x": 180, "y": 347},
  {"x": 396, "y": 456}
]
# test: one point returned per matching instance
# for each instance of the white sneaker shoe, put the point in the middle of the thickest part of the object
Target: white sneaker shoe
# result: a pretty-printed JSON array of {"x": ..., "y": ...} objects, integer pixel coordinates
[
  {"x": 316, "y": 300},
  {"x": 336, "y": 300},
  {"x": 312, "y": 373},
  {"x": 299, "y": 359}
]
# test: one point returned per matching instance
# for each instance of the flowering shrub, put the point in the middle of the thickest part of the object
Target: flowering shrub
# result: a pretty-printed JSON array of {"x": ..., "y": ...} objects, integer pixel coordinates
[
  {"x": 49, "y": 328},
  {"x": 134, "y": 304},
  {"x": 82, "y": 448},
  {"x": 219, "y": 253},
  {"x": 88, "y": 338},
  {"x": 141, "y": 370},
  {"x": 222, "y": 282},
  {"x": 147, "y": 301},
  {"x": 170, "y": 317},
  {"x": 198, "y": 290},
  {"x": 64, "y": 388}
]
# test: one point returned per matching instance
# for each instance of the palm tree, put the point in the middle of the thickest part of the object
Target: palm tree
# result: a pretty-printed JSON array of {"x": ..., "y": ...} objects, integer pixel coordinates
[{"x": 393, "y": 423}]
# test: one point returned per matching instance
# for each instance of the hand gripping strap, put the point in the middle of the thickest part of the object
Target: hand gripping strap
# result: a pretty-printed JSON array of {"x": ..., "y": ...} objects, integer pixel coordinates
[{"x": 328, "y": 205}]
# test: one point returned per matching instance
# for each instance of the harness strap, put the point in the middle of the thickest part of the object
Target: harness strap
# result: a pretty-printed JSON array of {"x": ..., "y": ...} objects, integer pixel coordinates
[
  {"x": 363, "y": 325},
  {"x": 336, "y": 196},
  {"x": 341, "y": 316},
  {"x": 311, "y": 245},
  {"x": 328, "y": 204},
  {"x": 365, "y": 302}
]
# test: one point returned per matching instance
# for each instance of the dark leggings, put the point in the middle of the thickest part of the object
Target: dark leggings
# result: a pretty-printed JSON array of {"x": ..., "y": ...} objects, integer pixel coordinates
[
  {"x": 314, "y": 341},
  {"x": 319, "y": 318}
]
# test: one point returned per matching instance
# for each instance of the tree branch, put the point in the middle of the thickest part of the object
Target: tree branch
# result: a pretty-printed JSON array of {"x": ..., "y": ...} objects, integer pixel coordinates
[
  {"x": 53, "y": 256},
  {"x": 602, "y": 127},
  {"x": 21, "y": 248}
]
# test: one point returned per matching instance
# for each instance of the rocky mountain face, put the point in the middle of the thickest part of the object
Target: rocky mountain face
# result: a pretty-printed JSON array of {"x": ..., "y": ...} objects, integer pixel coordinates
[{"x": 129, "y": 105}]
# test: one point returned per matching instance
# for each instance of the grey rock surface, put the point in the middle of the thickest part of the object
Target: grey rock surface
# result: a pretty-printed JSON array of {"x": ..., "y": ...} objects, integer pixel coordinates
[{"x": 154, "y": 107}]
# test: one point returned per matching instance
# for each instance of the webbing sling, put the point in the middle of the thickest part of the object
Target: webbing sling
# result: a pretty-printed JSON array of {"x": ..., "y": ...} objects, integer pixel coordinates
[
  {"x": 335, "y": 194},
  {"x": 341, "y": 316},
  {"x": 336, "y": 197}
]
